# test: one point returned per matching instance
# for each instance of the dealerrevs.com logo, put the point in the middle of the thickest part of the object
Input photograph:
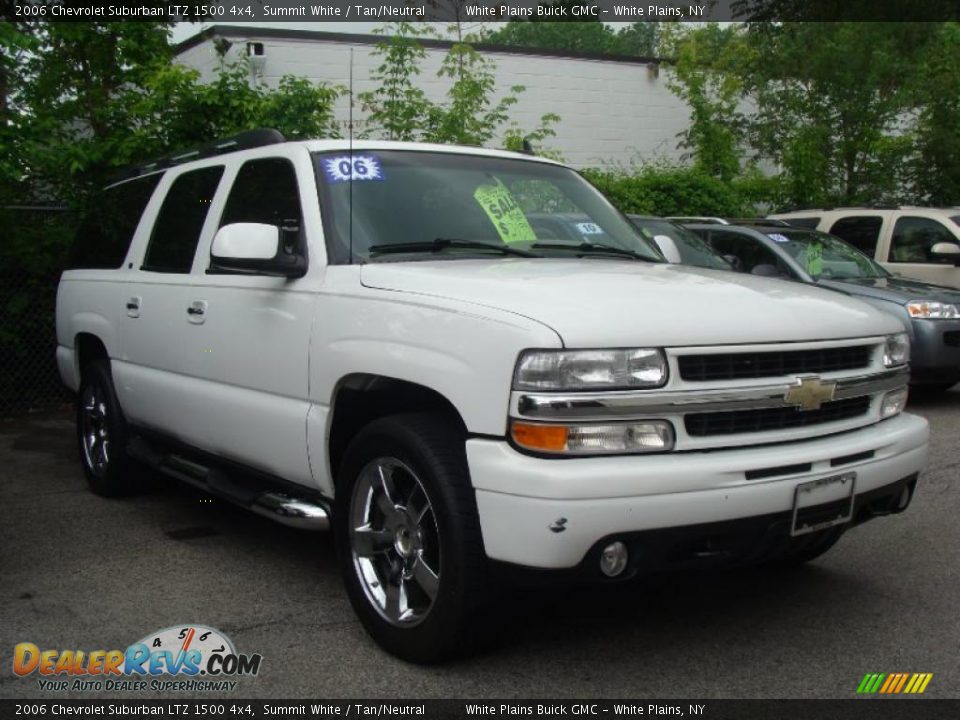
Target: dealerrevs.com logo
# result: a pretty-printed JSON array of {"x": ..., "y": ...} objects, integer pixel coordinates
[{"x": 187, "y": 658}]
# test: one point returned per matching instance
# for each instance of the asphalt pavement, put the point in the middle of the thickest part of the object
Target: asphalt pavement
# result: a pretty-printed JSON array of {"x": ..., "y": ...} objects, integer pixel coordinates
[{"x": 82, "y": 572}]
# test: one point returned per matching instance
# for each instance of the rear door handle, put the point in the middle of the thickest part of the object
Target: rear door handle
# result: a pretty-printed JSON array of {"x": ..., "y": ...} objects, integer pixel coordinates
[
  {"x": 197, "y": 311},
  {"x": 133, "y": 307}
]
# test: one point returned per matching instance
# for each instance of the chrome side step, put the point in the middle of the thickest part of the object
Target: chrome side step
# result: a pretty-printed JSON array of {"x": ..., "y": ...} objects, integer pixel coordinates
[{"x": 273, "y": 504}]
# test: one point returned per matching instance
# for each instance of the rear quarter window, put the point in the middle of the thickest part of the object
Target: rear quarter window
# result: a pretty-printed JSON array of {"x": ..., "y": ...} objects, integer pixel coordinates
[
  {"x": 804, "y": 222},
  {"x": 104, "y": 235},
  {"x": 861, "y": 231}
]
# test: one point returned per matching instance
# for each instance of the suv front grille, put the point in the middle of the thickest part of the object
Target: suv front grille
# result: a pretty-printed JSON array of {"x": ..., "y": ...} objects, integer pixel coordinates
[
  {"x": 734, "y": 422},
  {"x": 733, "y": 366}
]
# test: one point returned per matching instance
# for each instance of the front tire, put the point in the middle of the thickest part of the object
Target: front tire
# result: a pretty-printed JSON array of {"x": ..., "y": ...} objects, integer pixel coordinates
[
  {"x": 408, "y": 537},
  {"x": 102, "y": 434}
]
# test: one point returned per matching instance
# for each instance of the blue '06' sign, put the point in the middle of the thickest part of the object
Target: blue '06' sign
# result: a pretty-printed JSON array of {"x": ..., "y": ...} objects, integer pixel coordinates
[{"x": 358, "y": 167}]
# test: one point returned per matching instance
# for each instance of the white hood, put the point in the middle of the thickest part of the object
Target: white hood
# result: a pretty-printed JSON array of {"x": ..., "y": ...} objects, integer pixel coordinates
[{"x": 609, "y": 303}]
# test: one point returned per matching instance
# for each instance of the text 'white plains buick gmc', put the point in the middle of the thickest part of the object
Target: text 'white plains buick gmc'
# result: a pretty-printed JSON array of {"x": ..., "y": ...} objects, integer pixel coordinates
[{"x": 416, "y": 344}]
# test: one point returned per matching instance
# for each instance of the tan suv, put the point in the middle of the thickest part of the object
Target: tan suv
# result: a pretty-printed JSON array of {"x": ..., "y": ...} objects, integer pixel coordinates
[{"x": 914, "y": 242}]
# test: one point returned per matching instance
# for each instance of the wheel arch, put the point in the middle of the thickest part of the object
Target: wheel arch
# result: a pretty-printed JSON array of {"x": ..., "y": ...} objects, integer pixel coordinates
[{"x": 360, "y": 398}]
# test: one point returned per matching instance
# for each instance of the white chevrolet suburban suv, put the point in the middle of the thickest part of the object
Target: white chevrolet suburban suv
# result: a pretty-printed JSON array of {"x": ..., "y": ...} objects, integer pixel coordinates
[{"x": 393, "y": 337}]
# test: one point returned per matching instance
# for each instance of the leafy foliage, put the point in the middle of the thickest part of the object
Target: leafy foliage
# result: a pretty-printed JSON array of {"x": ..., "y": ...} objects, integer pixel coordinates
[
  {"x": 669, "y": 191},
  {"x": 846, "y": 112},
  {"x": 585, "y": 35},
  {"x": 472, "y": 113}
]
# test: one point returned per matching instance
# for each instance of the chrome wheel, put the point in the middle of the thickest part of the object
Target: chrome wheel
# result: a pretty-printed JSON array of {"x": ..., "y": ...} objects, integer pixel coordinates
[
  {"x": 394, "y": 541},
  {"x": 95, "y": 430}
]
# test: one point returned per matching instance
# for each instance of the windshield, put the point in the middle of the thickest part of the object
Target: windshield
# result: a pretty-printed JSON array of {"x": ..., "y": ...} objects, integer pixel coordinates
[
  {"x": 409, "y": 204},
  {"x": 692, "y": 250},
  {"x": 825, "y": 256}
]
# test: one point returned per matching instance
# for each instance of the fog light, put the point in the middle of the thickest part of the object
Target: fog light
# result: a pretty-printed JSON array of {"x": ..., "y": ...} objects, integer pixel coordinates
[
  {"x": 893, "y": 403},
  {"x": 904, "y": 498},
  {"x": 613, "y": 559}
]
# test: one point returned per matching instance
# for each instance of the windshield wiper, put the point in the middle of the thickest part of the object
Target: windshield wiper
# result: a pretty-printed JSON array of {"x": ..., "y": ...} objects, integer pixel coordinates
[
  {"x": 438, "y": 244},
  {"x": 596, "y": 248}
]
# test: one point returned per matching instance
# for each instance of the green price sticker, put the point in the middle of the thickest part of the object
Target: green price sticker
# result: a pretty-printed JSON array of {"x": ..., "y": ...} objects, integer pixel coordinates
[
  {"x": 501, "y": 207},
  {"x": 814, "y": 259}
]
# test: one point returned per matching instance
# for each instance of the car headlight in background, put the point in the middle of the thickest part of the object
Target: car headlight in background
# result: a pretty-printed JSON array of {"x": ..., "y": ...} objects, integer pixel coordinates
[
  {"x": 896, "y": 351},
  {"x": 637, "y": 436},
  {"x": 591, "y": 369},
  {"x": 933, "y": 310}
]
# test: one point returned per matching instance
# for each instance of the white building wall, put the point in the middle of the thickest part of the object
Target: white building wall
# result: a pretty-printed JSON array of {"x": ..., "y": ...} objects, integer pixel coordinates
[{"x": 611, "y": 111}]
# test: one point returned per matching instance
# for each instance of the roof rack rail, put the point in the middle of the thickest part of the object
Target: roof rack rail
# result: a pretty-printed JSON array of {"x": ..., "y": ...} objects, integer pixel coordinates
[{"x": 241, "y": 141}]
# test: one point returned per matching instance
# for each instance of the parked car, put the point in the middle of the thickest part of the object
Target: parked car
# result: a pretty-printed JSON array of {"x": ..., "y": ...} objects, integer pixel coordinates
[
  {"x": 678, "y": 244},
  {"x": 930, "y": 313},
  {"x": 915, "y": 242},
  {"x": 376, "y": 335}
]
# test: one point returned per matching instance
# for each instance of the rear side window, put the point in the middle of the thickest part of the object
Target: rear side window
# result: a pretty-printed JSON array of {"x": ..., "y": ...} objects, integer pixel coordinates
[
  {"x": 914, "y": 237},
  {"x": 265, "y": 191},
  {"x": 861, "y": 232},
  {"x": 107, "y": 229},
  {"x": 804, "y": 222},
  {"x": 176, "y": 233}
]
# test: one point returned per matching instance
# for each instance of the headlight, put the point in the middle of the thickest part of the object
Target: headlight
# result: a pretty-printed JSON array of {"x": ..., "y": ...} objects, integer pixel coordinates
[
  {"x": 896, "y": 351},
  {"x": 638, "y": 436},
  {"x": 933, "y": 310},
  {"x": 590, "y": 369}
]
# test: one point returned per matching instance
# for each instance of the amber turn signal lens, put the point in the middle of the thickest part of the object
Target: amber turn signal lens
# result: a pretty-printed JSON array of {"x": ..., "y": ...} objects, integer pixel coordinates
[{"x": 545, "y": 438}]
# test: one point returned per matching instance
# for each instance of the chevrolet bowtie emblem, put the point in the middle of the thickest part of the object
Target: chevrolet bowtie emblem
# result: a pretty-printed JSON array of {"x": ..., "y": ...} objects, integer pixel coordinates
[{"x": 810, "y": 393}]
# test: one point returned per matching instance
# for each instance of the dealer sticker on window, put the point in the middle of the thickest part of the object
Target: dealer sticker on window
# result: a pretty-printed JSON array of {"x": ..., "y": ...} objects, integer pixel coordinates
[
  {"x": 507, "y": 216},
  {"x": 357, "y": 167},
  {"x": 589, "y": 228}
]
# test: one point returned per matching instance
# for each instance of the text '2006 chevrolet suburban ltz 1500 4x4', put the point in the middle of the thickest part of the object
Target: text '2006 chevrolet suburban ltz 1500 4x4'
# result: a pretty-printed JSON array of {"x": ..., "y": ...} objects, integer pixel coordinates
[{"x": 389, "y": 336}]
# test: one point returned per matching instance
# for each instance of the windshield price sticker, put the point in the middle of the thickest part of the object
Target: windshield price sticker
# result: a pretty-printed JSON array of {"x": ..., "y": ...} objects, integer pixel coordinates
[
  {"x": 588, "y": 228},
  {"x": 501, "y": 207},
  {"x": 777, "y": 237},
  {"x": 814, "y": 259},
  {"x": 359, "y": 167}
]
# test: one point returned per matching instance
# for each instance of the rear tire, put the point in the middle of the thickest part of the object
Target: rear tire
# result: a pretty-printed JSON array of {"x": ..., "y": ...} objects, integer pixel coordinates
[
  {"x": 408, "y": 537},
  {"x": 102, "y": 434}
]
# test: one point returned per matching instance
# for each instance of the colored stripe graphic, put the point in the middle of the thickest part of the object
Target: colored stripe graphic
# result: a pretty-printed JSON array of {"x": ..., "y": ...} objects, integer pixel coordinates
[{"x": 894, "y": 683}]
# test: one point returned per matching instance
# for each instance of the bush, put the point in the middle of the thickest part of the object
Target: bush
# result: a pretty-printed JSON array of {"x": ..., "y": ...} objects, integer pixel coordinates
[{"x": 669, "y": 191}]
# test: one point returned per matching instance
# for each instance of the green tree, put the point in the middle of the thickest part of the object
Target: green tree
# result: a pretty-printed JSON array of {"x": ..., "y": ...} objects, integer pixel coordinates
[
  {"x": 585, "y": 35},
  {"x": 935, "y": 170},
  {"x": 397, "y": 107}
]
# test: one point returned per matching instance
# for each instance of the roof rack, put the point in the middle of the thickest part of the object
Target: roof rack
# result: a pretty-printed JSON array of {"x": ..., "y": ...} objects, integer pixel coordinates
[{"x": 241, "y": 141}]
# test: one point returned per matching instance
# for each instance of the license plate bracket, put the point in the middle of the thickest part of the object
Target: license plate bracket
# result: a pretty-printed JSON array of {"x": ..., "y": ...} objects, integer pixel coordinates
[{"x": 823, "y": 503}]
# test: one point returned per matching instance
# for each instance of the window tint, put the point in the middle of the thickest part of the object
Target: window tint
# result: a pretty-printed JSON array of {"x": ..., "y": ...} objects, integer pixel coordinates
[
  {"x": 176, "y": 233},
  {"x": 265, "y": 191},
  {"x": 914, "y": 236},
  {"x": 751, "y": 253},
  {"x": 861, "y": 232},
  {"x": 804, "y": 222},
  {"x": 104, "y": 235}
]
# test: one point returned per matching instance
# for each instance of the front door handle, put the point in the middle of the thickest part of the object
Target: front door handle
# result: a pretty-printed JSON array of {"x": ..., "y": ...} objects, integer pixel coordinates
[
  {"x": 133, "y": 307},
  {"x": 197, "y": 312}
]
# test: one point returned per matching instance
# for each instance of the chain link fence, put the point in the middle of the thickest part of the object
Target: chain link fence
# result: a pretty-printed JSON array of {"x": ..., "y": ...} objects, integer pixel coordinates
[{"x": 36, "y": 239}]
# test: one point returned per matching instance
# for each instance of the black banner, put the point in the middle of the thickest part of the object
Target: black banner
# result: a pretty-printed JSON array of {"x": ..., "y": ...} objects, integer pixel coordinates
[
  {"x": 243, "y": 11},
  {"x": 855, "y": 709}
]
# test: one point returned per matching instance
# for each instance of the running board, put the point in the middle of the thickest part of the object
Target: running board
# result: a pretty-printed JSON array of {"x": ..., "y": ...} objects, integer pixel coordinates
[{"x": 276, "y": 505}]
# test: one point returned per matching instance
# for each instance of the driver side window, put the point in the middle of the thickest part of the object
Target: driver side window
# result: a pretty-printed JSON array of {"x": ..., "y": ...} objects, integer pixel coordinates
[
  {"x": 754, "y": 257},
  {"x": 914, "y": 237}
]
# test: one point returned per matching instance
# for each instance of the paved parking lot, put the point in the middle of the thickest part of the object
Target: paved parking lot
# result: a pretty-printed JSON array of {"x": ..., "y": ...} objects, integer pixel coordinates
[{"x": 78, "y": 571}]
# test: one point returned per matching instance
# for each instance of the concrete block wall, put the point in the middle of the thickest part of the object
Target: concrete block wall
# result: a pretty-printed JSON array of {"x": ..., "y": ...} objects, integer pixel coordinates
[{"x": 612, "y": 111}]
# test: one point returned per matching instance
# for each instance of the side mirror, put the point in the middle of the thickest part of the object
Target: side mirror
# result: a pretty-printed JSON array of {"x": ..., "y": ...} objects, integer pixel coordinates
[
  {"x": 946, "y": 252},
  {"x": 668, "y": 247},
  {"x": 254, "y": 249}
]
